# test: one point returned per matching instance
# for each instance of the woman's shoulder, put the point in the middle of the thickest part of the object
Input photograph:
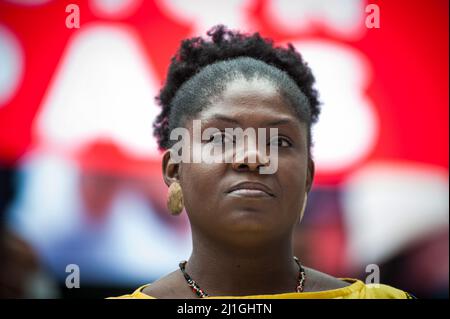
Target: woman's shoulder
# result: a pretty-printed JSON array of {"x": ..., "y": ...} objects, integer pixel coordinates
[
  {"x": 320, "y": 281},
  {"x": 381, "y": 291},
  {"x": 323, "y": 285},
  {"x": 137, "y": 294},
  {"x": 170, "y": 286}
]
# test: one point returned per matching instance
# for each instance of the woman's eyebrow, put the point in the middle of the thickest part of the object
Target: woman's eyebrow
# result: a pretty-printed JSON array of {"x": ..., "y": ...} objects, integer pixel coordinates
[
  {"x": 281, "y": 121},
  {"x": 220, "y": 117},
  {"x": 275, "y": 122}
]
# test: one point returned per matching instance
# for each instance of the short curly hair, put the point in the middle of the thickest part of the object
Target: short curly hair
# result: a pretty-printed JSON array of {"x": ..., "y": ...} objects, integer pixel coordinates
[{"x": 197, "y": 54}]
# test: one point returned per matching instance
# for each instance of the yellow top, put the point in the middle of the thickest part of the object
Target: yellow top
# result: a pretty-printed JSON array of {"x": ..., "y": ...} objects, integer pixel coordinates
[{"x": 357, "y": 290}]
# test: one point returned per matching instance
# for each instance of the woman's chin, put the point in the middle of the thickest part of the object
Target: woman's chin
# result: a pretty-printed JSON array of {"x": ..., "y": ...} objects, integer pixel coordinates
[{"x": 249, "y": 220}]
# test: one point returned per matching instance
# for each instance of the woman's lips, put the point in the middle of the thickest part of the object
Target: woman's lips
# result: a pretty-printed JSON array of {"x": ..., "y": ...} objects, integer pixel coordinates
[
  {"x": 243, "y": 192},
  {"x": 250, "y": 189}
]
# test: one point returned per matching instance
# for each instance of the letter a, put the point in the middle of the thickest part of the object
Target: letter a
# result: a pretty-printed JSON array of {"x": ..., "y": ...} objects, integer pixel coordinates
[
  {"x": 73, "y": 19},
  {"x": 373, "y": 19}
]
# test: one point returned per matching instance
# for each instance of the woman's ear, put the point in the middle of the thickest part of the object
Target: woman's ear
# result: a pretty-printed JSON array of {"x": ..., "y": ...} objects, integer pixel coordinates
[
  {"x": 310, "y": 174},
  {"x": 170, "y": 168}
]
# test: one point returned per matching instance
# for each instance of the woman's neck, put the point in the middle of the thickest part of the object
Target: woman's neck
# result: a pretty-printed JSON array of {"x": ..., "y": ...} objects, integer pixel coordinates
[{"x": 226, "y": 270}]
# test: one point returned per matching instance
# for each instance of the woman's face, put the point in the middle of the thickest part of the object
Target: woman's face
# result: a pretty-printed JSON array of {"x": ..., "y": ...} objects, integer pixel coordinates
[{"x": 247, "y": 217}]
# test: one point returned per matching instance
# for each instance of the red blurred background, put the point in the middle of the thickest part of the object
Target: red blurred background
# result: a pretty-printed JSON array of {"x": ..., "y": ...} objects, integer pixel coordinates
[{"x": 82, "y": 172}]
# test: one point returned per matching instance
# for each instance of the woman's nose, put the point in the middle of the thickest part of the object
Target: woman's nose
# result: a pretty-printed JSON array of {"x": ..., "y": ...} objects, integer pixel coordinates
[{"x": 250, "y": 159}]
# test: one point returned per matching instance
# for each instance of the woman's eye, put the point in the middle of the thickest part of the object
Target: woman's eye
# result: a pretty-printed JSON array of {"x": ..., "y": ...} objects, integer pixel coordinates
[
  {"x": 220, "y": 138},
  {"x": 280, "y": 142}
]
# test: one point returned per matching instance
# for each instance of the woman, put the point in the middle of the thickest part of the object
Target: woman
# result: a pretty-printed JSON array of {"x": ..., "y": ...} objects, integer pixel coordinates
[{"x": 242, "y": 220}]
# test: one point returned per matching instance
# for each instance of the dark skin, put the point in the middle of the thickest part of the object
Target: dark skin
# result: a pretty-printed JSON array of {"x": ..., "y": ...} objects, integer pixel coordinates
[{"x": 243, "y": 245}]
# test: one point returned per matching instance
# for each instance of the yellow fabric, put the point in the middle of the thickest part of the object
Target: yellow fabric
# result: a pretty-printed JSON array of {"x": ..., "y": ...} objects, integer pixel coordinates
[{"x": 357, "y": 290}]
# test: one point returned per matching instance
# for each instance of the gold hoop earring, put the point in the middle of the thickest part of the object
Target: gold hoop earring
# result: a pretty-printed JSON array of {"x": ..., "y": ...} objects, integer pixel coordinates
[{"x": 175, "y": 202}]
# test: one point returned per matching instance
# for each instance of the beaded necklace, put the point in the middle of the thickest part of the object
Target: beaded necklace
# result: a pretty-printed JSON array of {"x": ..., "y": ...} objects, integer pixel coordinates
[{"x": 202, "y": 294}]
